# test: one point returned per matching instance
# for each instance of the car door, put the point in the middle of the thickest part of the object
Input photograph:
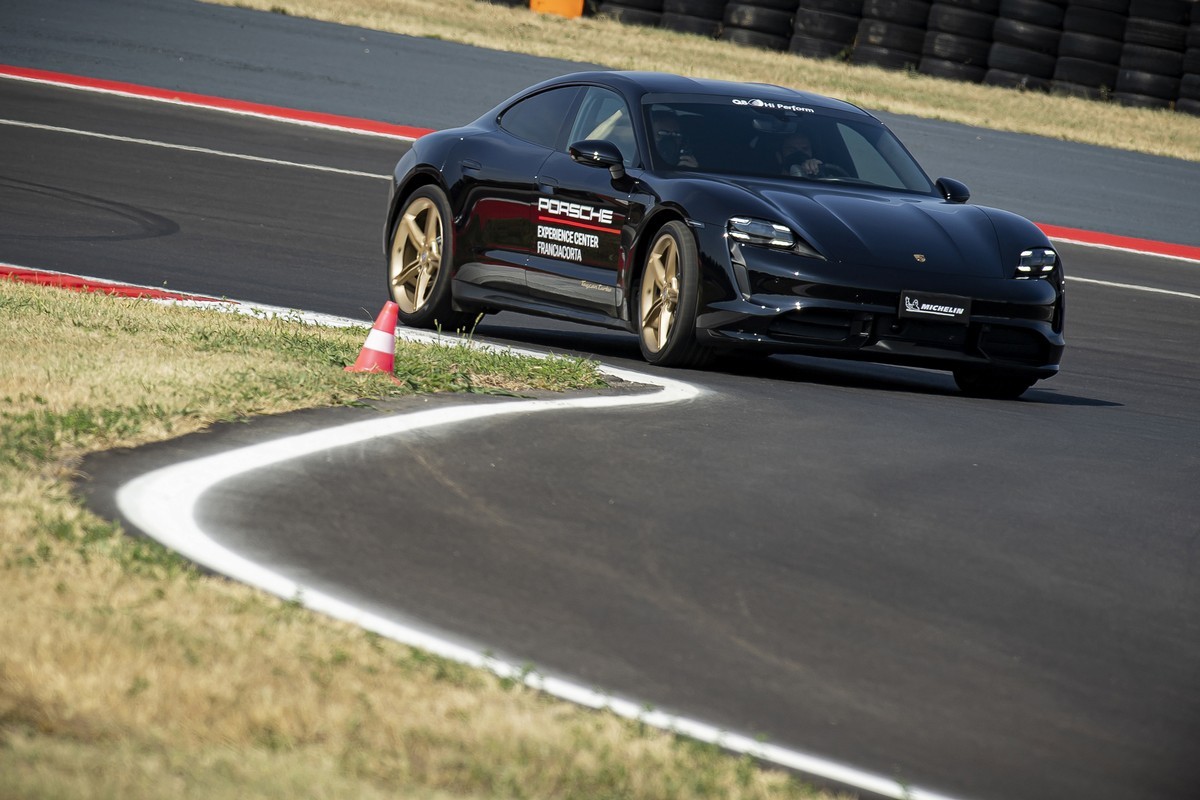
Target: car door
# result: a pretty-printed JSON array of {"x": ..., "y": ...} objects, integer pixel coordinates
[
  {"x": 580, "y": 212},
  {"x": 500, "y": 190}
]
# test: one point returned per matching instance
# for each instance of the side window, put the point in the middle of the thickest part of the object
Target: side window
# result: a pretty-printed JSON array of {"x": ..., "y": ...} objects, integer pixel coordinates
[
  {"x": 540, "y": 118},
  {"x": 880, "y": 158},
  {"x": 604, "y": 115},
  {"x": 869, "y": 163}
]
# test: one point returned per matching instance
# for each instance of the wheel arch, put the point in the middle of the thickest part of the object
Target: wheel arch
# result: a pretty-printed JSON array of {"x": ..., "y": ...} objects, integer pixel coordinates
[
  {"x": 418, "y": 179},
  {"x": 650, "y": 227}
]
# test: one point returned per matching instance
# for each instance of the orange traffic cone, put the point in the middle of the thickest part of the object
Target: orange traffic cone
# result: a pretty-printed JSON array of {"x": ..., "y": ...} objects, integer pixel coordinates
[{"x": 379, "y": 351}]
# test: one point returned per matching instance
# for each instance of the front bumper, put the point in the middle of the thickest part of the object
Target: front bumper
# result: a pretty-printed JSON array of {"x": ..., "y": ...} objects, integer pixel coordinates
[{"x": 852, "y": 312}]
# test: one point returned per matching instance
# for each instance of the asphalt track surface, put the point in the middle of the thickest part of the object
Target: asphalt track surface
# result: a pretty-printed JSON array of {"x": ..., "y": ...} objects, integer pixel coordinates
[
  {"x": 991, "y": 600},
  {"x": 270, "y": 58}
]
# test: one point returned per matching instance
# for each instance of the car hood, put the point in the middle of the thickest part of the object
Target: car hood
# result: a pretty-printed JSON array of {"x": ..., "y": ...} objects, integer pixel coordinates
[{"x": 889, "y": 229}]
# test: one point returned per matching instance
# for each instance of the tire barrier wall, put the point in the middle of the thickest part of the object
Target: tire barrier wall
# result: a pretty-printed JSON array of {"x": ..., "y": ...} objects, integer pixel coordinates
[{"x": 1143, "y": 53}]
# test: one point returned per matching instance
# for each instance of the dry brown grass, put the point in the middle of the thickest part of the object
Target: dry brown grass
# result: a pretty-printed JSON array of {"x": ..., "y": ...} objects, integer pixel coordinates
[
  {"x": 124, "y": 673},
  {"x": 602, "y": 41}
]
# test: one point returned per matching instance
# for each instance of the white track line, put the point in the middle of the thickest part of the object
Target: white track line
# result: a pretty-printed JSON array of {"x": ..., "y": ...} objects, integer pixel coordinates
[
  {"x": 188, "y": 148},
  {"x": 163, "y": 504},
  {"x": 1133, "y": 287},
  {"x": 1120, "y": 249}
]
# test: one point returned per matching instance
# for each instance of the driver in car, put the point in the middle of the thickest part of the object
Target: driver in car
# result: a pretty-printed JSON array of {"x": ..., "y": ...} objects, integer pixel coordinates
[
  {"x": 668, "y": 139},
  {"x": 796, "y": 157}
]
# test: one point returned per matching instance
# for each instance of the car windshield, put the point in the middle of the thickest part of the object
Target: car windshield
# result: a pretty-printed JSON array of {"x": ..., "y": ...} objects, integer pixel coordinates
[{"x": 745, "y": 136}]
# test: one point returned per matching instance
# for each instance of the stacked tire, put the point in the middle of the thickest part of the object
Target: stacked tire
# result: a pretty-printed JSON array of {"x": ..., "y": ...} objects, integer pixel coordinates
[
  {"x": 1142, "y": 53},
  {"x": 701, "y": 17},
  {"x": 958, "y": 37},
  {"x": 1025, "y": 43},
  {"x": 1189, "y": 86},
  {"x": 763, "y": 23},
  {"x": 1089, "y": 51},
  {"x": 825, "y": 28},
  {"x": 891, "y": 33},
  {"x": 633, "y": 12},
  {"x": 1151, "y": 65}
]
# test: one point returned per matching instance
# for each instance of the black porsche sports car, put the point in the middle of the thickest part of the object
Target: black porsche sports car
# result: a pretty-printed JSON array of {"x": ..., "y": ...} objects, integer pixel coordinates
[{"x": 708, "y": 216}]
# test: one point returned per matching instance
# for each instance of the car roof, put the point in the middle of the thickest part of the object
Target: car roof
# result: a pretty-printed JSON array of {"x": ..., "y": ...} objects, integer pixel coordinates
[{"x": 640, "y": 83}]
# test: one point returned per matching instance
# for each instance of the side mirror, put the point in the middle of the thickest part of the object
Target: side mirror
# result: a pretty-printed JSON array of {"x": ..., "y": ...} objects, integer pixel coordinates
[
  {"x": 599, "y": 153},
  {"x": 954, "y": 191}
]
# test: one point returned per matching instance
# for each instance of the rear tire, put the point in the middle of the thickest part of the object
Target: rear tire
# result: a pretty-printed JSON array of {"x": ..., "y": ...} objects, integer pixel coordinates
[
  {"x": 992, "y": 384},
  {"x": 420, "y": 259},
  {"x": 669, "y": 297}
]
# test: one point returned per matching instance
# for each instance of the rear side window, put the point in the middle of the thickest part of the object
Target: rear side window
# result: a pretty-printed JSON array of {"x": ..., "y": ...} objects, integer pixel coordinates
[{"x": 539, "y": 119}]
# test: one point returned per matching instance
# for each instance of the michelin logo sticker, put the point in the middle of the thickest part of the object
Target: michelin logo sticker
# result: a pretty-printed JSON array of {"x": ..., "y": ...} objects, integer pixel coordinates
[{"x": 915, "y": 306}]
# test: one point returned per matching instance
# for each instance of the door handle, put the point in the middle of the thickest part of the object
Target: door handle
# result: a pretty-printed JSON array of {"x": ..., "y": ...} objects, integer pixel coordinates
[
  {"x": 547, "y": 185},
  {"x": 471, "y": 167}
]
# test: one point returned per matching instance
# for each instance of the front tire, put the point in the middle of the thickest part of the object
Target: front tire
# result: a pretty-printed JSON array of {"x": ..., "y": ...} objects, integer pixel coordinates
[
  {"x": 992, "y": 384},
  {"x": 419, "y": 262},
  {"x": 669, "y": 296}
]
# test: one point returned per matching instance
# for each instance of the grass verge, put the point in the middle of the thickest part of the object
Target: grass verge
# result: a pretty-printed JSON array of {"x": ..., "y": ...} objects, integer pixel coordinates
[
  {"x": 126, "y": 673},
  {"x": 602, "y": 41}
]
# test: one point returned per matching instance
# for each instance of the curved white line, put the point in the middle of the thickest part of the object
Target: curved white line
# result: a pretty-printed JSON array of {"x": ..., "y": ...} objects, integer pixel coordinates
[{"x": 163, "y": 505}]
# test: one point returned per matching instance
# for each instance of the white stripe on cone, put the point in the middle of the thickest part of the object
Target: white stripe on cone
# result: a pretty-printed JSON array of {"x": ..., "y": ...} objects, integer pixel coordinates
[
  {"x": 378, "y": 353},
  {"x": 381, "y": 341}
]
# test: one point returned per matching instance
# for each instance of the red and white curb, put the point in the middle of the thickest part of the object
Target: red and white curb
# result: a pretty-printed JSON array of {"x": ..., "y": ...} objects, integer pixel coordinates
[
  {"x": 407, "y": 132},
  {"x": 313, "y": 119},
  {"x": 82, "y": 283},
  {"x": 1128, "y": 244}
]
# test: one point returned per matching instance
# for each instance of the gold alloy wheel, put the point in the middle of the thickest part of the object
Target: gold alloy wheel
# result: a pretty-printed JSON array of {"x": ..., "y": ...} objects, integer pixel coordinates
[
  {"x": 416, "y": 254},
  {"x": 660, "y": 292}
]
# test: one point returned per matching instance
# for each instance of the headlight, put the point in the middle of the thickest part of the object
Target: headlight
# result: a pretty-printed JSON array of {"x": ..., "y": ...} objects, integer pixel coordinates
[
  {"x": 1036, "y": 263},
  {"x": 763, "y": 233}
]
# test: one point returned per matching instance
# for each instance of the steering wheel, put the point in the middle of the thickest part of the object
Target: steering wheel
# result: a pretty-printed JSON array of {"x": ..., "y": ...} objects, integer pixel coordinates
[{"x": 829, "y": 170}]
